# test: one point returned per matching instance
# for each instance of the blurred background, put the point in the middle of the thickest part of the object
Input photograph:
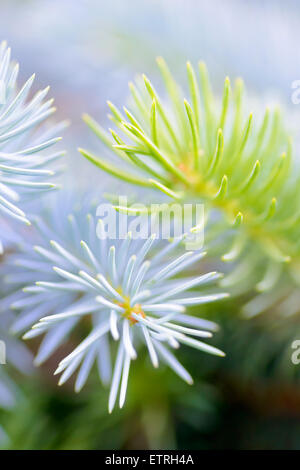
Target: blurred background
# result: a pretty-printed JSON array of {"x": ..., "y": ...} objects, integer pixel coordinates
[{"x": 87, "y": 51}]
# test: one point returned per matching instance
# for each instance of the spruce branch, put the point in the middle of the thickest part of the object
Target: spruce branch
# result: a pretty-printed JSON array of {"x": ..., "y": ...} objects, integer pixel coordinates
[
  {"x": 196, "y": 148},
  {"x": 25, "y": 168}
]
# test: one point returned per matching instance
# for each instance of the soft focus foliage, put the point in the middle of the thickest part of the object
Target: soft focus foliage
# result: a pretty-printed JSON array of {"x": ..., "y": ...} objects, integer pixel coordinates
[
  {"x": 23, "y": 163},
  {"x": 247, "y": 176},
  {"x": 17, "y": 356}
]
